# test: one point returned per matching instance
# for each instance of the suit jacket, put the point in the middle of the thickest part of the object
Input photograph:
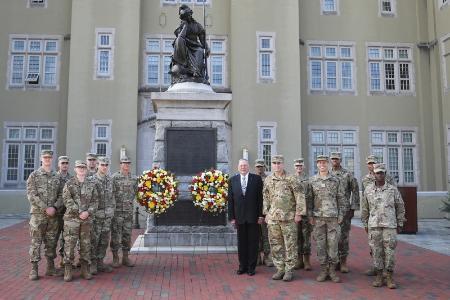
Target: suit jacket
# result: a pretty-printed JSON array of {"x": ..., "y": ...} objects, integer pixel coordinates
[{"x": 249, "y": 207}]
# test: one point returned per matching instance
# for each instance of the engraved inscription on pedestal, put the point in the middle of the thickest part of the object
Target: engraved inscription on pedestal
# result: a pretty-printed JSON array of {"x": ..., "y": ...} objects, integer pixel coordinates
[{"x": 189, "y": 151}]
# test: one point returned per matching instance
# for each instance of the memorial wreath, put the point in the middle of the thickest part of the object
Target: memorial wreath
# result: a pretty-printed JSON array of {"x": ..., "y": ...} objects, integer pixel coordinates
[
  {"x": 157, "y": 190},
  {"x": 209, "y": 191}
]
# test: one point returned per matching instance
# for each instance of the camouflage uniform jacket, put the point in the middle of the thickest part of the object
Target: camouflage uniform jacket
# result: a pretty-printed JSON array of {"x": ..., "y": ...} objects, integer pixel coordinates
[
  {"x": 370, "y": 179},
  {"x": 325, "y": 197},
  {"x": 282, "y": 198},
  {"x": 106, "y": 200},
  {"x": 382, "y": 207},
  {"x": 79, "y": 197},
  {"x": 350, "y": 186},
  {"x": 62, "y": 182},
  {"x": 91, "y": 173},
  {"x": 43, "y": 190},
  {"x": 302, "y": 181},
  {"x": 124, "y": 189}
]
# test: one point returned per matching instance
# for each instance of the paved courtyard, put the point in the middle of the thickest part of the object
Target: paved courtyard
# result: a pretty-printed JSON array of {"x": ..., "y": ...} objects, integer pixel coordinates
[{"x": 420, "y": 274}]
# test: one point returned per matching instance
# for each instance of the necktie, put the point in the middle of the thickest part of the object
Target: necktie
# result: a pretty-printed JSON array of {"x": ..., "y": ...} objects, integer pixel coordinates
[{"x": 244, "y": 185}]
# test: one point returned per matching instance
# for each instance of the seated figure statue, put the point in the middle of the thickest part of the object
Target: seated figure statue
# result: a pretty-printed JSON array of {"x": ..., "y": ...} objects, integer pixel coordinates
[{"x": 190, "y": 50}]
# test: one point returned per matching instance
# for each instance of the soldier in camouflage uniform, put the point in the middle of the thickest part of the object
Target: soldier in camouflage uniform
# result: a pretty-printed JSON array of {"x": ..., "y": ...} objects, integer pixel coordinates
[
  {"x": 264, "y": 245},
  {"x": 304, "y": 227},
  {"x": 91, "y": 161},
  {"x": 351, "y": 203},
  {"x": 383, "y": 215},
  {"x": 64, "y": 176},
  {"x": 326, "y": 199},
  {"x": 283, "y": 206},
  {"x": 42, "y": 193},
  {"x": 371, "y": 160},
  {"x": 80, "y": 198},
  {"x": 101, "y": 229},
  {"x": 124, "y": 189}
]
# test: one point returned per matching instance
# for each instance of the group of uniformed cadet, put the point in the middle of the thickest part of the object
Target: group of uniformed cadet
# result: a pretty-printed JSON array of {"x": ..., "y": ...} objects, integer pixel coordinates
[
  {"x": 87, "y": 211},
  {"x": 296, "y": 205}
]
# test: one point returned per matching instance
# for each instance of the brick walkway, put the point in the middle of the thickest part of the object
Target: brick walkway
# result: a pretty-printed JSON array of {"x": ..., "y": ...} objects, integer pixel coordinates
[{"x": 420, "y": 274}]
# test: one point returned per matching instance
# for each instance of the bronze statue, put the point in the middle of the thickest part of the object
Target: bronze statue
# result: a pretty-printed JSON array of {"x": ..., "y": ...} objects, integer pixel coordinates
[{"x": 190, "y": 50}]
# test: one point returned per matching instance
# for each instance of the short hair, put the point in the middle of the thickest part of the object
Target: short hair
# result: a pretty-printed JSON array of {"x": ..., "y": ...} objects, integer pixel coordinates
[{"x": 243, "y": 160}]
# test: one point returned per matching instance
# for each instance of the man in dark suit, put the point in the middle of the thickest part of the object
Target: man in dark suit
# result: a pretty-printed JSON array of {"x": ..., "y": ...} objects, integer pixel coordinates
[{"x": 245, "y": 213}]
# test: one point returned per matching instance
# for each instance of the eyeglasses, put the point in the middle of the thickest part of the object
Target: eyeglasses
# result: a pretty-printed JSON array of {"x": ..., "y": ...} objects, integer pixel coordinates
[{"x": 276, "y": 163}]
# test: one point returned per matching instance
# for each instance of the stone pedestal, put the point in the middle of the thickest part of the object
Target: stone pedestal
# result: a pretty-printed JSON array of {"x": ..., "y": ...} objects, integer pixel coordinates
[{"x": 191, "y": 108}]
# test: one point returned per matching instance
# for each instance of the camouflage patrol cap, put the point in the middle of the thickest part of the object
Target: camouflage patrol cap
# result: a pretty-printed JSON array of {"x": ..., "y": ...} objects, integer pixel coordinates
[
  {"x": 379, "y": 168},
  {"x": 125, "y": 160},
  {"x": 80, "y": 164},
  {"x": 335, "y": 155},
  {"x": 298, "y": 162},
  {"x": 103, "y": 160},
  {"x": 91, "y": 155},
  {"x": 63, "y": 158},
  {"x": 321, "y": 157},
  {"x": 47, "y": 153},
  {"x": 371, "y": 159},
  {"x": 260, "y": 163},
  {"x": 278, "y": 158}
]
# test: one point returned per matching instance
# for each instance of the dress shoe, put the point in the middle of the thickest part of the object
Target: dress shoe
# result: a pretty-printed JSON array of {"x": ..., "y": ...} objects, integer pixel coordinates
[
  {"x": 251, "y": 272},
  {"x": 241, "y": 271}
]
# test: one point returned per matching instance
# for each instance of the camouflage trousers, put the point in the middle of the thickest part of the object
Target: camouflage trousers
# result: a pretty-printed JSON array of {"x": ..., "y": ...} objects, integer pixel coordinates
[
  {"x": 264, "y": 245},
  {"x": 326, "y": 235},
  {"x": 382, "y": 242},
  {"x": 283, "y": 243},
  {"x": 345, "y": 237},
  {"x": 76, "y": 230},
  {"x": 43, "y": 229},
  {"x": 60, "y": 235},
  {"x": 304, "y": 237},
  {"x": 121, "y": 226},
  {"x": 100, "y": 234}
]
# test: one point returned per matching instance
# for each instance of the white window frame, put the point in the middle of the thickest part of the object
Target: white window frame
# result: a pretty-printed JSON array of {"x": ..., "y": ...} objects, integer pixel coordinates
[
  {"x": 396, "y": 61},
  {"x": 38, "y": 142},
  {"x": 189, "y": 2},
  {"x": 272, "y": 141},
  {"x": 223, "y": 54},
  {"x": 325, "y": 12},
  {"x": 340, "y": 146},
  {"x": 37, "y": 3},
  {"x": 271, "y": 51},
  {"x": 324, "y": 60},
  {"x": 110, "y": 49},
  {"x": 445, "y": 53},
  {"x": 33, "y": 80},
  {"x": 443, "y": 3},
  {"x": 392, "y": 13},
  {"x": 400, "y": 145},
  {"x": 95, "y": 140}
]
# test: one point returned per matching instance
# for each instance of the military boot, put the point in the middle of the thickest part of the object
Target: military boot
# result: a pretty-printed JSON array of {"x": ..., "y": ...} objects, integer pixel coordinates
[
  {"x": 344, "y": 268},
  {"x": 299, "y": 264},
  {"x": 390, "y": 280},
  {"x": 278, "y": 275},
  {"x": 268, "y": 260},
  {"x": 116, "y": 262},
  {"x": 93, "y": 267},
  {"x": 288, "y": 276},
  {"x": 102, "y": 267},
  {"x": 34, "y": 271},
  {"x": 323, "y": 273},
  {"x": 306, "y": 263},
  {"x": 85, "y": 271},
  {"x": 378, "y": 282},
  {"x": 371, "y": 271},
  {"x": 51, "y": 271},
  {"x": 332, "y": 273},
  {"x": 68, "y": 272},
  {"x": 125, "y": 260}
]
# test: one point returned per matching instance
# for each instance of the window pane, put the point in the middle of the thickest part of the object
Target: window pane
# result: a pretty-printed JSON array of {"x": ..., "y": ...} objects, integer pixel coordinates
[
  {"x": 345, "y": 52},
  {"x": 153, "y": 45},
  {"x": 315, "y": 51},
  {"x": 375, "y": 77},
  {"x": 29, "y": 160},
  {"x": 386, "y": 4},
  {"x": 348, "y": 155},
  {"x": 35, "y": 46},
  {"x": 50, "y": 46},
  {"x": 393, "y": 158},
  {"x": 379, "y": 154},
  {"x": 168, "y": 46},
  {"x": 329, "y": 5},
  {"x": 217, "y": 70},
  {"x": 407, "y": 137},
  {"x": 34, "y": 62},
  {"x": 30, "y": 133},
  {"x": 346, "y": 73},
  {"x": 377, "y": 137},
  {"x": 265, "y": 64},
  {"x": 388, "y": 53},
  {"x": 105, "y": 40},
  {"x": 403, "y": 53},
  {"x": 19, "y": 45},
  {"x": 104, "y": 62},
  {"x": 374, "y": 52},
  {"x": 153, "y": 69},
  {"x": 318, "y": 137},
  {"x": 12, "y": 173},
  {"x": 404, "y": 77},
  {"x": 267, "y": 155},
  {"x": 265, "y": 43},
  {"x": 101, "y": 132},
  {"x": 46, "y": 133},
  {"x": 13, "y": 133},
  {"x": 17, "y": 69},
  {"x": 316, "y": 74},
  {"x": 101, "y": 149},
  {"x": 331, "y": 75},
  {"x": 50, "y": 70},
  {"x": 330, "y": 51},
  {"x": 332, "y": 137},
  {"x": 408, "y": 165},
  {"x": 167, "y": 77},
  {"x": 216, "y": 46},
  {"x": 389, "y": 71},
  {"x": 348, "y": 137},
  {"x": 392, "y": 137}
]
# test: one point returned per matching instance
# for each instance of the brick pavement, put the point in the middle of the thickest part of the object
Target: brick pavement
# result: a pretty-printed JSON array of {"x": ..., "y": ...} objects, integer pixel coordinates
[{"x": 420, "y": 273}]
